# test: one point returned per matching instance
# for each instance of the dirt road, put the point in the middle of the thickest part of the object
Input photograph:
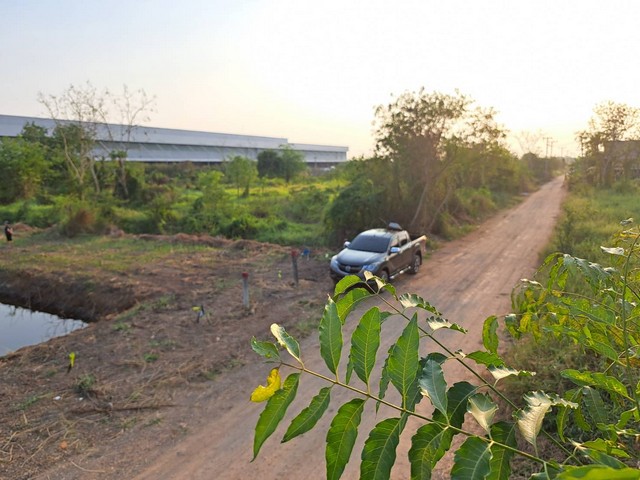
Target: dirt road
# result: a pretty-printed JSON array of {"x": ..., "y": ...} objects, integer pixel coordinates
[{"x": 467, "y": 280}]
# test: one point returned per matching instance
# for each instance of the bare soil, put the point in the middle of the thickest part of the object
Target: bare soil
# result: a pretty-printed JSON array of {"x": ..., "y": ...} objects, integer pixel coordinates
[{"x": 156, "y": 394}]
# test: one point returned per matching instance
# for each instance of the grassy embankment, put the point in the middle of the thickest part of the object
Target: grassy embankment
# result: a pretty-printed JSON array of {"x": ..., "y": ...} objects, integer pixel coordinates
[{"x": 591, "y": 217}]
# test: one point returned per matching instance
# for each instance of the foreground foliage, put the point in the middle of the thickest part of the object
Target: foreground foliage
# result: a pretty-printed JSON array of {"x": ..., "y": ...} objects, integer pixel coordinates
[{"x": 602, "y": 410}]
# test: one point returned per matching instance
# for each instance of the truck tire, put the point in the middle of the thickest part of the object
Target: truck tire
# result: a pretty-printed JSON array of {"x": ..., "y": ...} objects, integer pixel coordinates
[
  {"x": 415, "y": 264},
  {"x": 384, "y": 276}
]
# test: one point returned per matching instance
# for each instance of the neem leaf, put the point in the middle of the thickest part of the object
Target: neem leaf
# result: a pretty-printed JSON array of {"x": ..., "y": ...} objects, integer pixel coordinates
[
  {"x": 286, "y": 340},
  {"x": 505, "y": 433},
  {"x": 346, "y": 283},
  {"x": 263, "y": 393},
  {"x": 503, "y": 372},
  {"x": 402, "y": 365},
  {"x": 409, "y": 300},
  {"x": 433, "y": 385},
  {"x": 483, "y": 410},
  {"x": 490, "y": 335},
  {"x": 428, "y": 446},
  {"x": 342, "y": 436},
  {"x": 379, "y": 452},
  {"x": 330, "y": 333},
  {"x": 265, "y": 349},
  {"x": 472, "y": 460},
  {"x": 613, "y": 250},
  {"x": 309, "y": 416},
  {"x": 365, "y": 342},
  {"x": 531, "y": 417},
  {"x": 349, "y": 300},
  {"x": 274, "y": 412}
]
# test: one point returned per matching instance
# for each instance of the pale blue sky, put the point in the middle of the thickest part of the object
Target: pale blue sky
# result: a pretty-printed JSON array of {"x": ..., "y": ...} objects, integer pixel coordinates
[{"x": 313, "y": 72}]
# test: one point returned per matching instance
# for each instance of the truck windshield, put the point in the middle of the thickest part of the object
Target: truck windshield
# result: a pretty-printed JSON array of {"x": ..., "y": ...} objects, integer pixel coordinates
[{"x": 368, "y": 243}]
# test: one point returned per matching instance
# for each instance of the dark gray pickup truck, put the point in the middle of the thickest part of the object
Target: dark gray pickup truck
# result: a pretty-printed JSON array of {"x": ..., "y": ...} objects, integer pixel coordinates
[{"x": 385, "y": 252}]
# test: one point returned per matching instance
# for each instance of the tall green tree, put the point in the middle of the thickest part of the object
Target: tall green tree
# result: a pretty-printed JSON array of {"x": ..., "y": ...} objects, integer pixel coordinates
[
  {"x": 241, "y": 172},
  {"x": 293, "y": 163},
  {"x": 22, "y": 168}
]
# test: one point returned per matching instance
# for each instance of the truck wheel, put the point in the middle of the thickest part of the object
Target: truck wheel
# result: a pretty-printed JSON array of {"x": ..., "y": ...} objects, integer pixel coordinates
[
  {"x": 384, "y": 276},
  {"x": 415, "y": 265}
]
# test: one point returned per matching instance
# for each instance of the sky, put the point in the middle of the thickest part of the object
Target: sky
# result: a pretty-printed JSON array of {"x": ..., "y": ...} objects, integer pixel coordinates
[{"x": 314, "y": 71}]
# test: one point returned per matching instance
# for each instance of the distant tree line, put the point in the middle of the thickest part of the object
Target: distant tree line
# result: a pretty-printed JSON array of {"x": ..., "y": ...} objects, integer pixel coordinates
[{"x": 440, "y": 162}]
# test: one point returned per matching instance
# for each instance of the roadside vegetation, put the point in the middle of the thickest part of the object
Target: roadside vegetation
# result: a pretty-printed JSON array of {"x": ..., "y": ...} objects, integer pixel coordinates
[
  {"x": 441, "y": 164},
  {"x": 574, "y": 326}
]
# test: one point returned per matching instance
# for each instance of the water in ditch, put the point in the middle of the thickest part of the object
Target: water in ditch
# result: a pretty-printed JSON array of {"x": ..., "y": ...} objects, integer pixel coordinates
[{"x": 20, "y": 327}]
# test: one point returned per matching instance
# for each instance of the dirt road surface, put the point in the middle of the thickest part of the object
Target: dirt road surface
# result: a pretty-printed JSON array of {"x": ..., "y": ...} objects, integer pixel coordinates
[{"x": 467, "y": 280}]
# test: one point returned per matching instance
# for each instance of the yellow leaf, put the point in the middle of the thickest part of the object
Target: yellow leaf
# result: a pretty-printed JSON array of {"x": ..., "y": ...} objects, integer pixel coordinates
[{"x": 274, "y": 383}]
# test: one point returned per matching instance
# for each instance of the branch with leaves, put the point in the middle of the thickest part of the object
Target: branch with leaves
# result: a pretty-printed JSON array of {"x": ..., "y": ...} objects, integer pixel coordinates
[{"x": 416, "y": 378}]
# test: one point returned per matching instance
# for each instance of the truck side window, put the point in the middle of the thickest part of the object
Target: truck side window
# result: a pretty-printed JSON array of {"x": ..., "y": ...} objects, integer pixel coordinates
[{"x": 404, "y": 239}]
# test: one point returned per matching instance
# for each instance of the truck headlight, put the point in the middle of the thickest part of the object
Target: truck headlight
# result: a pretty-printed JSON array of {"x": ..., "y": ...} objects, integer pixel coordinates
[{"x": 372, "y": 267}]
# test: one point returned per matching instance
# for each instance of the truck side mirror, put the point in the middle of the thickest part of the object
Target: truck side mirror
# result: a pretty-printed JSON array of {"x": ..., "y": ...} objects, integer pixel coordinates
[
  {"x": 394, "y": 250},
  {"x": 346, "y": 244}
]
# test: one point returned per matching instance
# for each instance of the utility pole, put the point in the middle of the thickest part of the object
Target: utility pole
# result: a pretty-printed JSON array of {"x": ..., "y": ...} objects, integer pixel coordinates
[{"x": 549, "y": 150}]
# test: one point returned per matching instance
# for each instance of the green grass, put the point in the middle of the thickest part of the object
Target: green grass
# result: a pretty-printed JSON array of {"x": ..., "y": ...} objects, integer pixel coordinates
[{"x": 591, "y": 218}]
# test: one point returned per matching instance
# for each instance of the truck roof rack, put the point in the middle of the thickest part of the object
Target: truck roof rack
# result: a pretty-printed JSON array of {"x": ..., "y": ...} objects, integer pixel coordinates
[{"x": 394, "y": 226}]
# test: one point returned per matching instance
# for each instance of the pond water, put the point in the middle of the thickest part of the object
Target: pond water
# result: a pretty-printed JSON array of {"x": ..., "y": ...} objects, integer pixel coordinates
[{"x": 20, "y": 327}]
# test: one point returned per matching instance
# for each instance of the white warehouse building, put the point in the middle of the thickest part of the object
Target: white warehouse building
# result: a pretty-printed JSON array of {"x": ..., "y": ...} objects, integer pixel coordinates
[{"x": 152, "y": 145}]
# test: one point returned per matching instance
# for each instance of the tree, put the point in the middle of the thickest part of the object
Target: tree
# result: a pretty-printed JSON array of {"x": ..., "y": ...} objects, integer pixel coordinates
[
  {"x": 422, "y": 135},
  {"x": 286, "y": 163},
  {"x": 269, "y": 164},
  {"x": 611, "y": 122},
  {"x": 82, "y": 116},
  {"x": 241, "y": 172},
  {"x": 292, "y": 163},
  {"x": 22, "y": 168}
]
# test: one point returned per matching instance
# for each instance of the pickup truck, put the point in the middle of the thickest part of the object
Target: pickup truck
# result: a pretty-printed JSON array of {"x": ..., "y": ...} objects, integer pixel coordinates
[{"x": 385, "y": 252}]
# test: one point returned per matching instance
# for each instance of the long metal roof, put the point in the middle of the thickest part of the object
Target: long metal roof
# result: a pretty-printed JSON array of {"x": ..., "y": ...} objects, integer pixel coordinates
[{"x": 11, "y": 126}]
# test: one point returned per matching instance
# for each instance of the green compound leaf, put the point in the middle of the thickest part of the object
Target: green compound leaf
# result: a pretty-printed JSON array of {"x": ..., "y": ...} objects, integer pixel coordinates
[
  {"x": 384, "y": 378},
  {"x": 428, "y": 446},
  {"x": 490, "y": 334},
  {"x": 596, "y": 379},
  {"x": 342, "y": 436},
  {"x": 483, "y": 410},
  {"x": 309, "y": 416},
  {"x": 433, "y": 385},
  {"x": 286, "y": 340},
  {"x": 274, "y": 411},
  {"x": 265, "y": 349},
  {"x": 594, "y": 405},
  {"x": 379, "y": 452},
  {"x": 598, "y": 472},
  {"x": 349, "y": 300},
  {"x": 346, "y": 283},
  {"x": 458, "y": 399},
  {"x": 365, "y": 342},
  {"x": 330, "y": 334},
  {"x": 402, "y": 366},
  {"x": 472, "y": 460},
  {"x": 505, "y": 433},
  {"x": 484, "y": 358}
]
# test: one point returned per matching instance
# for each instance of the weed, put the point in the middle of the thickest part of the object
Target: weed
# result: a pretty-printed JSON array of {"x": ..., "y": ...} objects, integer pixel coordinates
[
  {"x": 28, "y": 402},
  {"x": 85, "y": 385},
  {"x": 150, "y": 357},
  {"x": 121, "y": 326}
]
